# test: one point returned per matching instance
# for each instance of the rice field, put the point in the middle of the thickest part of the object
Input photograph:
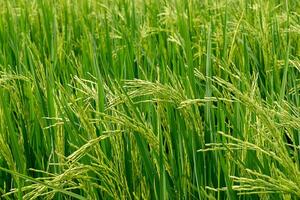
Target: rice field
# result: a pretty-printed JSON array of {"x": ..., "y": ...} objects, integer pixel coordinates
[{"x": 150, "y": 99}]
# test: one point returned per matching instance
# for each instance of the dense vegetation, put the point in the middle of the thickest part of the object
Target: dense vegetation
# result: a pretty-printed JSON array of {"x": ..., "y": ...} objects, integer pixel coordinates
[{"x": 149, "y": 99}]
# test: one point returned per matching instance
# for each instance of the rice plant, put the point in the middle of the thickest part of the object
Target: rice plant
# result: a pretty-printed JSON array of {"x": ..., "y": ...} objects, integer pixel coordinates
[{"x": 152, "y": 99}]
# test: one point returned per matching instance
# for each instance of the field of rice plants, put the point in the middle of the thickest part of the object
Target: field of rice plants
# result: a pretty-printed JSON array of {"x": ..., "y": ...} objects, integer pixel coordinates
[{"x": 150, "y": 99}]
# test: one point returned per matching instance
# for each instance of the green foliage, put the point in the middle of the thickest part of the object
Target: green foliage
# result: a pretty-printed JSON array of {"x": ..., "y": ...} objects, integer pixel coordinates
[{"x": 153, "y": 99}]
